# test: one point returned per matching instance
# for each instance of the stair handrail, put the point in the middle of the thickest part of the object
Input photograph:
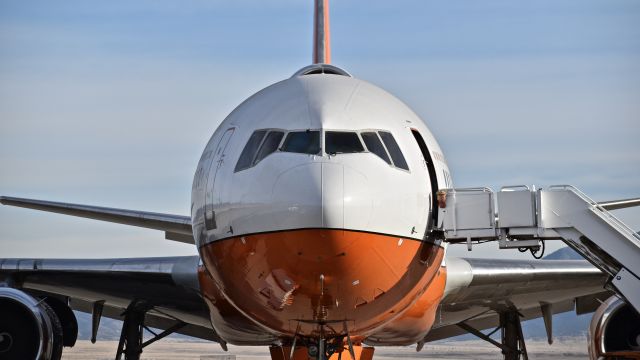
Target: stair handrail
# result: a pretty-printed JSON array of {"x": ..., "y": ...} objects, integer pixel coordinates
[{"x": 614, "y": 220}]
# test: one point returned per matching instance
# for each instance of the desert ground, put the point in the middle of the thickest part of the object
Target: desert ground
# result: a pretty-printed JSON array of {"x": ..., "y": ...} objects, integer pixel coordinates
[{"x": 569, "y": 348}]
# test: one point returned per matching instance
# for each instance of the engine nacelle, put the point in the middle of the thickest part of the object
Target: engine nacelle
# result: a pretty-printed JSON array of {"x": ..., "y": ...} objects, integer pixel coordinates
[
  {"x": 614, "y": 331},
  {"x": 29, "y": 329}
]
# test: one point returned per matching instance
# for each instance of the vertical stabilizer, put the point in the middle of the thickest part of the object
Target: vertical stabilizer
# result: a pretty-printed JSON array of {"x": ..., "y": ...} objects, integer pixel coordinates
[{"x": 321, "y": 33}]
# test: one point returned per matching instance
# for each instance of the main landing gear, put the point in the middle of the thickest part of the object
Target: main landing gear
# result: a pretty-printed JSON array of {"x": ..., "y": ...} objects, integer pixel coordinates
[
  {"x": 512, "y": 345},
  {"x": 132, "y": 335}
]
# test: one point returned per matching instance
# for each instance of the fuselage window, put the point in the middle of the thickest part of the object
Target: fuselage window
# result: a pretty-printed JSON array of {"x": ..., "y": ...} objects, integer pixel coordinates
[
  {"x": 249, "y": 151},
  {"x": 304, "y": 142},
  {"x": 342, "y": 142},
  {"x": 269, "y": 145},
  {"x": 394, "y": 150},
  {"x": 373, "y": 143}
]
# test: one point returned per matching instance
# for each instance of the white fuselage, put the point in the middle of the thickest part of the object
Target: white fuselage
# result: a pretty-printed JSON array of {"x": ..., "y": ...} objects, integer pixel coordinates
[
  {"x": 313, "y": 202},
  {"x": 355, "y": 191}
]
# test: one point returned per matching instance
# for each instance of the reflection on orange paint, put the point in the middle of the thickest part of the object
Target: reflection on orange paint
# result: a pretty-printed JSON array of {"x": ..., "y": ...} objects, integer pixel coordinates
[
  {"x": 414, "y": 324},
  {"x": 226, "y": 319},
  {"x": 282, "y": 280}
]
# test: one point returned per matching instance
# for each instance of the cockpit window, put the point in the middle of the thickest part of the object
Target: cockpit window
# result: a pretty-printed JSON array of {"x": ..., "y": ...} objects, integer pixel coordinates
[
  {"x": 269, "y": 146},
  {"x": 342, "y": 142},
  {"x": 304, "y": 142},
  {"x": 264, "y": 142},
  {"x": 394, "y": 150},
  {"x": 249, "y": 151},
  {"x": 373, "y": 143}
]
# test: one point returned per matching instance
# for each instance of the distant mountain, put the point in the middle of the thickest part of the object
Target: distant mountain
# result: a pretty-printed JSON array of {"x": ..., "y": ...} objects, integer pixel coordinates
[
  {"x": 109, "y": 328},
  {"x": 566, "y": 324},
  {"x": 565, "y": 253}
]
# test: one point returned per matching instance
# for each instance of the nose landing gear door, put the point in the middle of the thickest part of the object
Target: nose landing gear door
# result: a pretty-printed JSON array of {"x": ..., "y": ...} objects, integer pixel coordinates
[{"x": 217, "y": 163}]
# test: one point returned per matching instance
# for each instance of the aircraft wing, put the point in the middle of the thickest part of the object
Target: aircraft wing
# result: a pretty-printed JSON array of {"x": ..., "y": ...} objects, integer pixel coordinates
[
  {"x": 176, "y": 227},
  {"x": 478, "y": 290},
  {"x": 167, "y": 285}
]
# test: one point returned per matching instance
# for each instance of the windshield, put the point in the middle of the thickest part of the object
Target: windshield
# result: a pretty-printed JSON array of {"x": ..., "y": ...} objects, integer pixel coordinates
[
  {"x": 341, "y": 142},
  {"x": 305, "y": 142}
]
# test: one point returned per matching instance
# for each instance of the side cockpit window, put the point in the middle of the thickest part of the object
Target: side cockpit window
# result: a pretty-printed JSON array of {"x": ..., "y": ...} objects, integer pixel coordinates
[
  {"x": 249, "y": 151},
  {"x": 269, "y": 146},
  {"x": 374, "y": 145},
  {"x": 394, "y": 150},
  {"x": 263, "y": 143},
  {"x": 380, "y": 143},
  {"x": 342, "y": 142},
  {"x": 302, "y": 142}
]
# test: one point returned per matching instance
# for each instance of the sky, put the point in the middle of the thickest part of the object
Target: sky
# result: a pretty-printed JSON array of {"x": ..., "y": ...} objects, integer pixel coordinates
[{"x": 111, "y": 103}]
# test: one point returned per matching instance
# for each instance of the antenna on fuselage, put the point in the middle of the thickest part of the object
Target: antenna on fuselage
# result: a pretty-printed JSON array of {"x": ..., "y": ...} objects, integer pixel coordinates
[{"x": 321, "y": 33}]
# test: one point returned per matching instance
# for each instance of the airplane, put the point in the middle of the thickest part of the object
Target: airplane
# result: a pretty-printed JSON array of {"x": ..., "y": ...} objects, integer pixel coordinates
[{"x": 316, "y": 211}]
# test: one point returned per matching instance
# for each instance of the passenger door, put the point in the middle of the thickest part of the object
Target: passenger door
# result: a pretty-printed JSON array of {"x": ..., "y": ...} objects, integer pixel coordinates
[
  {"x": 433, "y": 178},
  {"x": 217, "y": 162}
]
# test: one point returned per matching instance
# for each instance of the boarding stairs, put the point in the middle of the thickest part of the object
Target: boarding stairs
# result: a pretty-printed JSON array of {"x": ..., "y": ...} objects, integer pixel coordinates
[{"x": 522, "y": 217}]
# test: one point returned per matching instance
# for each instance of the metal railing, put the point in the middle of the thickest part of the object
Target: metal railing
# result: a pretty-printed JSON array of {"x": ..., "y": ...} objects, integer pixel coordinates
[{"x": 612, "y": 219}]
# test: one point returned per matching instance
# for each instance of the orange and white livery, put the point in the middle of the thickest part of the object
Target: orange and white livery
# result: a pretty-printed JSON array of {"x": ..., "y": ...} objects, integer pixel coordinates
[{"x": 314, "y": 210}]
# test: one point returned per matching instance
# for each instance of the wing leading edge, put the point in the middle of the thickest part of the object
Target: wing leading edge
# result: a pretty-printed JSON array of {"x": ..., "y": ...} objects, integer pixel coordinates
[
  {"x": 478, "y": 290},
  {"x": 176, "y": 227},
  {"x": 167, "y": 285}
]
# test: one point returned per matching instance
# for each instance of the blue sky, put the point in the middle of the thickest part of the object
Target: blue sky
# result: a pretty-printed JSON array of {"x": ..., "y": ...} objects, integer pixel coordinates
[{"x": 111, "y": 103}]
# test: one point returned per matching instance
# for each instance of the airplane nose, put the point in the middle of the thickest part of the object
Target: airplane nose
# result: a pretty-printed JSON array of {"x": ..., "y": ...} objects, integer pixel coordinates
[
  {"x": 346, "y": 202},
  {"x": 321, "y": 262},
  {"x": 333, "y": 195},
  {"x": 296, "y": 199},
  {"x": 322, "y": 195}
]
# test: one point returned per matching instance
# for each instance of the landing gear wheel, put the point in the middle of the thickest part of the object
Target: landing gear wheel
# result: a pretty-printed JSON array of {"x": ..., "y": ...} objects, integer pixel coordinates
[{"x": 56, "y": 329}]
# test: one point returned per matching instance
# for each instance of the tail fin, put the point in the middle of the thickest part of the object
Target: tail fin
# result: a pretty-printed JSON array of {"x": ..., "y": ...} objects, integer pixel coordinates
[{"x": 321, "y": 33}]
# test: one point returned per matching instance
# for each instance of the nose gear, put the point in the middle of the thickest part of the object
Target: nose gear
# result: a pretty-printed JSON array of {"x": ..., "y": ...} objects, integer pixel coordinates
[{"x": 328, "y": 343}]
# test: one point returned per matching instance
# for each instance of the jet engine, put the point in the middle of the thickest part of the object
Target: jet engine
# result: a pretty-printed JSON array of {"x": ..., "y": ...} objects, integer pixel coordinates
[
  {"x": 614, "y": 331},
  {"x": 29, "y": 328}
]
